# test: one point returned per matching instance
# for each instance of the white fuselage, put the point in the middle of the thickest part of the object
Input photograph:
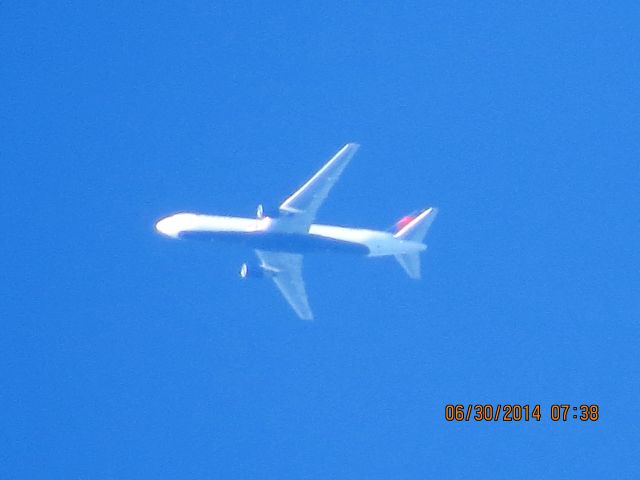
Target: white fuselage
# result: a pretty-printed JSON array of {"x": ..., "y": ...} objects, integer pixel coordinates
[{"x": 272, "y": 234}]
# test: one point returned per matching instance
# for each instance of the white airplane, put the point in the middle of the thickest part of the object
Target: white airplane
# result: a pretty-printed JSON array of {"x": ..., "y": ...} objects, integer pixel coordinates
[{"x": 280, "y": 238}]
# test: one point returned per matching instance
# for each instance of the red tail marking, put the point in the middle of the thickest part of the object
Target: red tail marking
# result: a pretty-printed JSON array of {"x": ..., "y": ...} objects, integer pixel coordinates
[{"x": 403, "y": 222}]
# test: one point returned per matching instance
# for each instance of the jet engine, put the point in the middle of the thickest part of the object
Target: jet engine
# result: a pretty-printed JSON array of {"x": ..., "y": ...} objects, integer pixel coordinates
[
  {"x": 251, "y": 271},
  {"x": 267, "y": 211}
]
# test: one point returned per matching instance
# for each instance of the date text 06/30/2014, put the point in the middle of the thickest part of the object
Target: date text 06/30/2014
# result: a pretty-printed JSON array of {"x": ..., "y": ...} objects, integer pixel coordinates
[{"x": 558, "y": 412}]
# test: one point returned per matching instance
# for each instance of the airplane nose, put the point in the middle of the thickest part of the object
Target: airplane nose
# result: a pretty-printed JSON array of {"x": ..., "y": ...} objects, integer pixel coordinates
[
  {"x": 164, "y": 227},
  {"x": 160, "y": 225}
]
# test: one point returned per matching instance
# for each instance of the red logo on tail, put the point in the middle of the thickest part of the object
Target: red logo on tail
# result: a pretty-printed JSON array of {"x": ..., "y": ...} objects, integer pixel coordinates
[{"x": 403, "y": 222}]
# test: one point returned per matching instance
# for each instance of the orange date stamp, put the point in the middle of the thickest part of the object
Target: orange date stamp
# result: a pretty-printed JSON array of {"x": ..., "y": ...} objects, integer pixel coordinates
[{"x": 514, "y": 412}]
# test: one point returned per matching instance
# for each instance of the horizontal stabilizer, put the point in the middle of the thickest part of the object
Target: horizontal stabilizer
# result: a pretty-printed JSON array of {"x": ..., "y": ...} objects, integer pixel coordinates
[{"x": 410, "y": 262}]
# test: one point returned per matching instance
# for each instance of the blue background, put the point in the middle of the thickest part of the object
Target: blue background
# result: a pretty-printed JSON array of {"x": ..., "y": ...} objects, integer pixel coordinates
[{"x": 127, "y": 355}]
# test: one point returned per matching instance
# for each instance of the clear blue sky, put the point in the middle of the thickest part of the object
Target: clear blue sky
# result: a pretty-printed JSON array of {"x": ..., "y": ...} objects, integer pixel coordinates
[{"x": 124, "y": 355}]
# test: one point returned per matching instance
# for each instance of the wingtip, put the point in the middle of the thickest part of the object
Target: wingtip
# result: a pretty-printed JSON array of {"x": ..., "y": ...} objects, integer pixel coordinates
[{"x": 353, "y": 146}]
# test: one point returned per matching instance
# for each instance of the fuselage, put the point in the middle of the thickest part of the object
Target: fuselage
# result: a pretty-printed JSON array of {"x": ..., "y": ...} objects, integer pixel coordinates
[{"x": 272, "y": 234}]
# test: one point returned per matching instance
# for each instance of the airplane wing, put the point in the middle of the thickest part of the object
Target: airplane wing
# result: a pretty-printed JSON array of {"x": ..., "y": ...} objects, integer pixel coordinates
[
  {"x": 287, "y": 275},
  {"x": 303, "y": 205}
]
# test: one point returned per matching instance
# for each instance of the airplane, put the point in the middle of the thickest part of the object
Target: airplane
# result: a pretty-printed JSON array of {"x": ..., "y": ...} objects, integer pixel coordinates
[{"x": 281, "y": 237}]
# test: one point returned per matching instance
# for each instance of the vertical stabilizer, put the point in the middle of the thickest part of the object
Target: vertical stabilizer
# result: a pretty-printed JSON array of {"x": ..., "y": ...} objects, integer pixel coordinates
[{"x": 417, "y": 229}]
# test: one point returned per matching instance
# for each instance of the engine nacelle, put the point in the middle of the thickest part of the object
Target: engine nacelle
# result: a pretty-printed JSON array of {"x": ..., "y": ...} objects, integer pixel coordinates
[
  {"x": 263, "y": 212},
  {"x": 251, "y": 271}
]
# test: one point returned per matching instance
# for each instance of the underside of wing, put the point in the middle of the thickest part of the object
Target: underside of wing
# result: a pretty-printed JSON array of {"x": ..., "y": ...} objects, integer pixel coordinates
[
  {"x": 286, "y": 272},
  {"x": 303, "y": 205}
]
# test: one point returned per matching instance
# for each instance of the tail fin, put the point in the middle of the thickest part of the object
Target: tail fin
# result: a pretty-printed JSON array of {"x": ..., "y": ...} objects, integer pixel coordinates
[{"x": 415, "y": 231}]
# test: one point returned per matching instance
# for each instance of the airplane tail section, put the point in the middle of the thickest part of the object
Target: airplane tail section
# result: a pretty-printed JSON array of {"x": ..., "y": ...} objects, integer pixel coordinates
[
  {"x": 417, "y": 228},
  {"x": 414, "y": 230},
  {"x": 410, "y": 262}
]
